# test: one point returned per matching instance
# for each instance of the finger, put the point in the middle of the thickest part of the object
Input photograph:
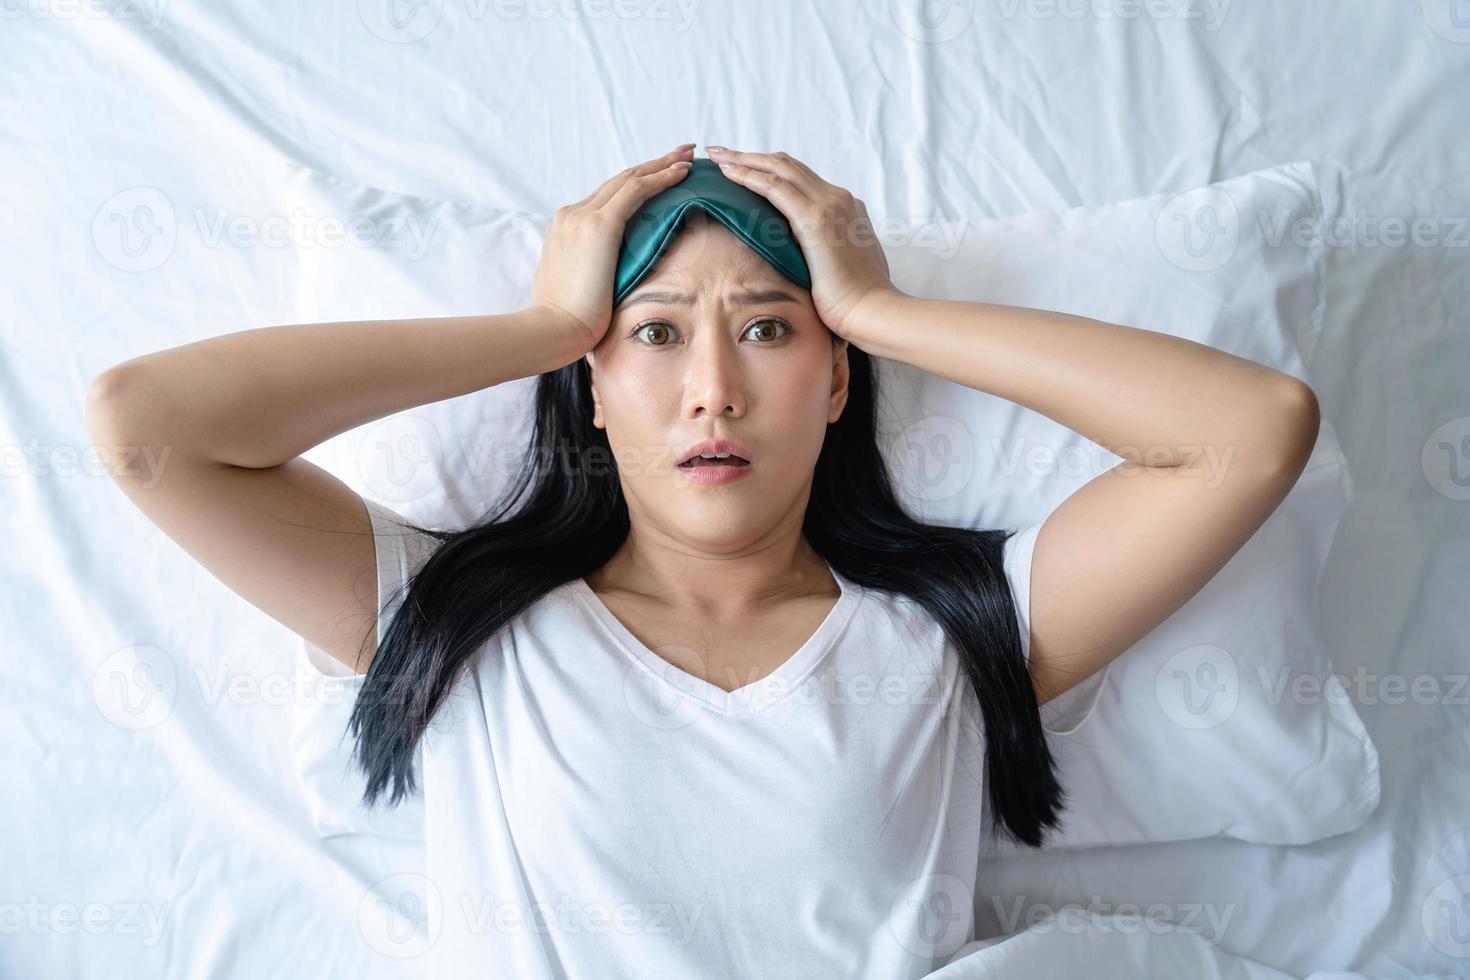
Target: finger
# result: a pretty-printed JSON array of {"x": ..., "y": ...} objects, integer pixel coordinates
[
  {"x": 613, "y": 184},
  {"x": 631, "y": 195},
  {"x": 801, "y": 167},
  {"x": 787, "y": 196},
  {"x": 784, "y": 164}
]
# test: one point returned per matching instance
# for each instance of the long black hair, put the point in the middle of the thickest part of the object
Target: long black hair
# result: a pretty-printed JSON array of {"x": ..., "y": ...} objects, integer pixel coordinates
[{"x": 564, "y": 516}]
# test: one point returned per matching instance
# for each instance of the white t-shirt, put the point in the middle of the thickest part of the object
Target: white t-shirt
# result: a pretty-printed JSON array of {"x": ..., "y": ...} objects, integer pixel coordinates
[{"x": 586, "y": 809}]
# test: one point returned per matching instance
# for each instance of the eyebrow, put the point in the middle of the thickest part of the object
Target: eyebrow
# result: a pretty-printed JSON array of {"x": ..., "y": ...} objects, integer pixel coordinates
[{"x": 747, "y": 298}]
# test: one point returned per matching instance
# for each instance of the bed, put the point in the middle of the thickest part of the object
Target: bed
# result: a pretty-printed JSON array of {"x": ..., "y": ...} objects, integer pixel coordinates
[{"x": 144, "y": 148}]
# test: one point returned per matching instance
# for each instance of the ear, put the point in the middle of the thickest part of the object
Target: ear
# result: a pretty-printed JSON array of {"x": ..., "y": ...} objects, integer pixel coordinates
[
  {"x": 596, "y": 397},
  {"x": 841, "y": 375}
]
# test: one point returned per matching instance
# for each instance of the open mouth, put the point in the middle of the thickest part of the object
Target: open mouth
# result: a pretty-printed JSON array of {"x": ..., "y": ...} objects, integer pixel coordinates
[{"x": 724, "y": 459}]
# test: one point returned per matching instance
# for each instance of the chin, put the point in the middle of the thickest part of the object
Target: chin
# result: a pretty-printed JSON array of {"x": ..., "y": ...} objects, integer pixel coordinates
[{"x": 720, "y": 525}]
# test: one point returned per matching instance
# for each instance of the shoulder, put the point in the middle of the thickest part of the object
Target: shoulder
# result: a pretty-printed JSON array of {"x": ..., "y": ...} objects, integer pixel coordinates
[
  {"x": 402, "y": 547},
  {"x": 897, "y": 631},
  {"x": 1016, "y": 556}
]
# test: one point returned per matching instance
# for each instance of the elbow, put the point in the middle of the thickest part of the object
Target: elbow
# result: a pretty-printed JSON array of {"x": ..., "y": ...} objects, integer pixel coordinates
[
  {"x": 119, "y": 427},
  {"x": 1295, "y": 421},
  {"x": 112, "y": 411},
  {"x": 102, "y": 397}
]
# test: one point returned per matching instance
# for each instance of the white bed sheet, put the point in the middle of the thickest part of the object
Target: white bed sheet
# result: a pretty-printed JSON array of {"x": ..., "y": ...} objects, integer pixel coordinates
[{"x": 150, "y": 828}]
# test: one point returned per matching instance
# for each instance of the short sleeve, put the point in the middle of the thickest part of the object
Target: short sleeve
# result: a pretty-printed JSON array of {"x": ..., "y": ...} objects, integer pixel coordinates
[
  {"x": 400, "y": 551},
  {"x": 329, "y": 780},
  {"x": 1017, "y": 561},
  {"x": 1066, "y": 712}
]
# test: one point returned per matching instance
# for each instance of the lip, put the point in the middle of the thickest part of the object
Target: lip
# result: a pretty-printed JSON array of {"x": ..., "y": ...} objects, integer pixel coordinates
[
  {"x": 712, "y": 446},
  {"x": 714, "y": 476}
]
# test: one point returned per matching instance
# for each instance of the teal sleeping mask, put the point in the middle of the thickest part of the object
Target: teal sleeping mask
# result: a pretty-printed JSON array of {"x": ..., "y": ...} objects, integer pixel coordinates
[{"x": 753, "y": 219}]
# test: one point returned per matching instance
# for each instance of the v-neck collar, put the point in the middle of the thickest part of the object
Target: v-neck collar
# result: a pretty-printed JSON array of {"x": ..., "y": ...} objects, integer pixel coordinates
[{"x": 752, "y": 697}]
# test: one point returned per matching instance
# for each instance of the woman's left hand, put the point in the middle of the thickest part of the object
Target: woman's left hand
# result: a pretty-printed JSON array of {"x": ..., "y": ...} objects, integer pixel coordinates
[{"x": 832, "y": 227}]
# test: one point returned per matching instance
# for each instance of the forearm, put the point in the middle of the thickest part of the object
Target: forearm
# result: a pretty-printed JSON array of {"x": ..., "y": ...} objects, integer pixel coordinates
[
  {"x": 263, "y": 396},
  {"x": 1149, "y": 397}
]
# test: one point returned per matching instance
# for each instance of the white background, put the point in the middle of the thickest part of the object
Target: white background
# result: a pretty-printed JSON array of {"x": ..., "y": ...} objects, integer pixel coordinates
[{"x": 171, "y": 844}]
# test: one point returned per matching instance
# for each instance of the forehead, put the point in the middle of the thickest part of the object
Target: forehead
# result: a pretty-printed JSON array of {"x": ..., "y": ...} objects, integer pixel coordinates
[{"x": 707, "y": 255}]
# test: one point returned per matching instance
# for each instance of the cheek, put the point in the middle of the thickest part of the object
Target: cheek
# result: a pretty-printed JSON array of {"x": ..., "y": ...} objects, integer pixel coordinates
[
  {"x": 637, "y": 400},
  {"x": 641, "y": 395},
  {"x": 638, "y": 394},
  {"x": 797, "y": 392},
  {"x": 801, "y": 385}
]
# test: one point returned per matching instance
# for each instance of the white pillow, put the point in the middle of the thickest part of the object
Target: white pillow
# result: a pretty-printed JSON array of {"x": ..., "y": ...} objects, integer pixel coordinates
[
  {"x": 1140, "y": 761},
  {"x": 1276, "y": 754}
]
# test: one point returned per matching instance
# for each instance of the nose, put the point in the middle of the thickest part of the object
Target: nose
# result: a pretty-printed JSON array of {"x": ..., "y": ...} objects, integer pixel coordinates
[{"x": 713, "y": 383}]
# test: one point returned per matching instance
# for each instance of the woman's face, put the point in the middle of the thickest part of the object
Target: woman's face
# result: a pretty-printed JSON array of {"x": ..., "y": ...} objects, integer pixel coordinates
[{"x": 706, "y": 348}]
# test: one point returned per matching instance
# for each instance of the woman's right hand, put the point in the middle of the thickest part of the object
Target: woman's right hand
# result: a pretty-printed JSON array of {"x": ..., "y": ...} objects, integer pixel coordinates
[{"x": 574, "y": 280}]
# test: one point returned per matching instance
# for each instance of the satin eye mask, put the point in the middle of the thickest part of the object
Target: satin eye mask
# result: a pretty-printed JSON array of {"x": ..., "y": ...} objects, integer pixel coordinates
[{"x": 753, "y": 219}]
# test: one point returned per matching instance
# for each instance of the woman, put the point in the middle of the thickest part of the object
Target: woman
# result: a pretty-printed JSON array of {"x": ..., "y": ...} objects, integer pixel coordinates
[{"x": 734, "y": 704}]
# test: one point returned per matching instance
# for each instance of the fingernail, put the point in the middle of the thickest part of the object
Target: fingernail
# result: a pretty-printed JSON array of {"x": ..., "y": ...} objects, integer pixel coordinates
[
  {"x": 715, "y": 149},
  {"x": 684, "y": 146}
]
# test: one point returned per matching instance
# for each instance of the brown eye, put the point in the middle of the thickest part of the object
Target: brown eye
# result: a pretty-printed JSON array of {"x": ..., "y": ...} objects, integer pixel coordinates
[
  {"x": 653, "y": 325},
  {"x": 772, "y": 326}
]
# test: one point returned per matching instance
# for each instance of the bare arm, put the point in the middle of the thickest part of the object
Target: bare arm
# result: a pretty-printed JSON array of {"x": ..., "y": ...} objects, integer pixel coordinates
[
  {"x": 259, "y": 398},
  {"x": 1211, "y": 444},
  {"x": 225, "y": 420}
]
